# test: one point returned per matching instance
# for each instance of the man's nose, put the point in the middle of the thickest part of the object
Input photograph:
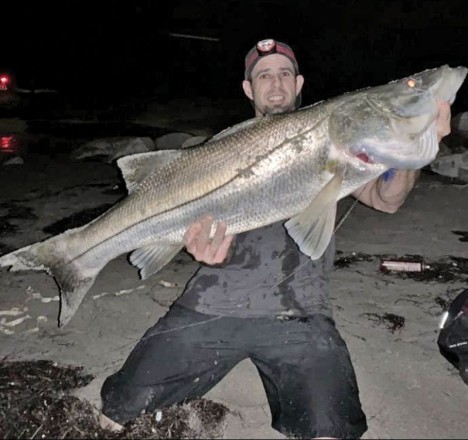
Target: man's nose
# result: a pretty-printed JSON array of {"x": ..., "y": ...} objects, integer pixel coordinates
[{"x": 276, "y": 80}]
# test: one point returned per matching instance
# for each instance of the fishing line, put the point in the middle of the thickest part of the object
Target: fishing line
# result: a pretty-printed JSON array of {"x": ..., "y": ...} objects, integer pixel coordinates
[
  {"x": 215, "y": 318},
  {"x": 183, "y": 327},
  {"x": 348, "y": 211},
  {"x": 338, "y": 225}
]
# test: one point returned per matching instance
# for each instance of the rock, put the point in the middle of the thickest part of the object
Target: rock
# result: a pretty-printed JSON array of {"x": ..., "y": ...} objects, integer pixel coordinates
[
  {"x": 109, "y": 149},
  {"x": 459, "y": 123},
  {"x": 172, "y": 140},
  {"x": 195, "y": 140},
  {"x": 16, "y": 160},
  {"x": 444, "y": 149},
  {"x": 452, "y": 165}
]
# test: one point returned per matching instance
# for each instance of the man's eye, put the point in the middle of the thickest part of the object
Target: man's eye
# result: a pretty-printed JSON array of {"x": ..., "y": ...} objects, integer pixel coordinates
[
  {"x": 264, "y": 76},
  {"x": 286, "y": 73}
]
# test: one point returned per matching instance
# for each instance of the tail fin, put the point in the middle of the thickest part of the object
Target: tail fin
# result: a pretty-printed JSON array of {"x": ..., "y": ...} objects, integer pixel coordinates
[
  {"x": 72, "y": 280},
  {"x": 73, "y": 288}
]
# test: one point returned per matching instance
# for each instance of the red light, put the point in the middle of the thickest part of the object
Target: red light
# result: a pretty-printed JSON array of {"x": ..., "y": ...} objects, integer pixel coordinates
[
  {"x": 9, "y": 144},
  {"x": 4, "y": 80}
]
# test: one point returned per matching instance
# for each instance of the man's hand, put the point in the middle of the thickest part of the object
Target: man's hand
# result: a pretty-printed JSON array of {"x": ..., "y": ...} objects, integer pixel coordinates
[
  {"x": 443, "y": 120},
  {"x": 205, "y": 250}
]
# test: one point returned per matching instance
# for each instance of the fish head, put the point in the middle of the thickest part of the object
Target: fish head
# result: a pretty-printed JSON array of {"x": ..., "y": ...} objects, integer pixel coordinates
[{"x": 395, "y": 124}]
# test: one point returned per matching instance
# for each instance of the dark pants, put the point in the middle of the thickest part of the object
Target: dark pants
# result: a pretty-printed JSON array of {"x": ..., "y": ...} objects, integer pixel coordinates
[{"x": 304, "y": 365}]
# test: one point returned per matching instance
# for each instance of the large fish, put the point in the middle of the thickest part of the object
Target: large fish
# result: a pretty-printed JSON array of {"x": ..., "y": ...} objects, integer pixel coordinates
[{"x": 292, "y": 167}]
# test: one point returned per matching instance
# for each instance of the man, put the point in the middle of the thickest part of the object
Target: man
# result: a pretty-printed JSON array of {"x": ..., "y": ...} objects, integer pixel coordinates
[{"x": 262, "y": 299}]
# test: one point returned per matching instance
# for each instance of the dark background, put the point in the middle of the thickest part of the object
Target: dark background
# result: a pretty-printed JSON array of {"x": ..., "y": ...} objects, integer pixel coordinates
[{"x": 118, "y": 51}]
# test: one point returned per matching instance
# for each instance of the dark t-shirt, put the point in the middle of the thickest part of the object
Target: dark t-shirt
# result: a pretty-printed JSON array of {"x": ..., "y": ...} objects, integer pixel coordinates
[{"x": 267, "y": 275}]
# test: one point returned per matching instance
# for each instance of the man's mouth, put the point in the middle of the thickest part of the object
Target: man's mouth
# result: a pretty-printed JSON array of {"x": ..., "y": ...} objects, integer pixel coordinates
[{"x": 276, "y": 98}]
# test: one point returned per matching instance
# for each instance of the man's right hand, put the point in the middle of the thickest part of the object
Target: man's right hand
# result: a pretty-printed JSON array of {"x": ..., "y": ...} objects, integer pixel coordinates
[{"x": 204, "y": 249}]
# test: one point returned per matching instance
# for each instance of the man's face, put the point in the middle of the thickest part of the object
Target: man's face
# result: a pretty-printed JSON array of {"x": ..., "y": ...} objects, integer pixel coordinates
[{"x": 274, "y": 85}]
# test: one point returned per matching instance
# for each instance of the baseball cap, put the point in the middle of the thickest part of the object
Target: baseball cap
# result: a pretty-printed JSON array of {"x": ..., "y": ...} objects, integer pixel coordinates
[{"x": 268, "y": 47}]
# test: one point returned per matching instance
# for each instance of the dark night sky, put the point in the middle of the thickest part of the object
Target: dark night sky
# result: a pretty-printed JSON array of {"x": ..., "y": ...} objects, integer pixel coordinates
[{"x": 125, "y": 47}]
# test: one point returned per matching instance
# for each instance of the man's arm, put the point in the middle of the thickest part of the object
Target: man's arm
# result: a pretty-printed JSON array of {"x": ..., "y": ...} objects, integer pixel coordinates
[{"x": 388, "y": 192}]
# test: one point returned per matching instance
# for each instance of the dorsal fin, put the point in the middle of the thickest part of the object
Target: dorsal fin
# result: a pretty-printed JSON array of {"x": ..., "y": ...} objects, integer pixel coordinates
[
  {"x": 235, "y": 128},
  {"x": 136, "y": 167}
]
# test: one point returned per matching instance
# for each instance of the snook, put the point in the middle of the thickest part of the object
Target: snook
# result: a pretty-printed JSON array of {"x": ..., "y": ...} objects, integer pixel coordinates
[{"x": 292, "y": 167}]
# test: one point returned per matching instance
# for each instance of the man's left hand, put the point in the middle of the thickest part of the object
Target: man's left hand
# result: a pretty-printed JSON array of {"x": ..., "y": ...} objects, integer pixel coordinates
[{"x": 443, "y": 120}]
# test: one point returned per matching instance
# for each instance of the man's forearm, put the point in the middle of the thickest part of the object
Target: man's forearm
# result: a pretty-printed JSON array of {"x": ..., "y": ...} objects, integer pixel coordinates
[{"x": 389, "y": 191}]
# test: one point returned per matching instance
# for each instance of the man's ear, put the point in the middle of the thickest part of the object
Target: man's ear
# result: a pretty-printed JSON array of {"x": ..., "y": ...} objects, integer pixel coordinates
[
  {"x": 247, "y": 86},
  {"x": 299, "y": 84}
]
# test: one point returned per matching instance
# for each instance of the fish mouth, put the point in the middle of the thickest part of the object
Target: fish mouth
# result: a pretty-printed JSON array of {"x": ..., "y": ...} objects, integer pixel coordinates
[
  {"x": 451, "y": 79},
  {"x": 363, "y": 157}
]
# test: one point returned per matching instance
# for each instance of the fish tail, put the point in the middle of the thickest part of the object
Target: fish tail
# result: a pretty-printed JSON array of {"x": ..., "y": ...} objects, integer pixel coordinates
[
  {"x": 74, "y": 286},
  {"x": 37, "y": 256},
  {"x": 72, "y": 280}
]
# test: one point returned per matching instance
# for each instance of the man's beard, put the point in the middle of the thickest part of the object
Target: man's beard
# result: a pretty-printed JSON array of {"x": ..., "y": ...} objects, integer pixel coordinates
[
  {"x": 278, "y": 110},
  {"x": 275, "y": 110}
]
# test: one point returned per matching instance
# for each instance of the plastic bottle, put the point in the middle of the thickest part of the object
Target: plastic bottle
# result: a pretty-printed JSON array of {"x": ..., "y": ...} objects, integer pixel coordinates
[{"x": 402, "y": 266}]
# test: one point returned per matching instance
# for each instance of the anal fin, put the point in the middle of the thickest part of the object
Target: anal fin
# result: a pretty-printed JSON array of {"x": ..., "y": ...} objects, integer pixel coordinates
[{"x": 151, "y": 259}]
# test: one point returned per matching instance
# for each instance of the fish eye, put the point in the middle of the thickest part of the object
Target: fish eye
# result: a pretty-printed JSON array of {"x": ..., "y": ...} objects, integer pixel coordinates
[{"x": 411, "y": 82}]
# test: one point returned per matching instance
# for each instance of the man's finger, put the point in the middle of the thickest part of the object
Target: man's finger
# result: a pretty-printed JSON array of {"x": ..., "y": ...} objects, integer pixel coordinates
[
  {"x": 218, "y": 237},
  {"x": 223, "y": 249},
  {"x": 204, "y": 234},
  {"x": 443, "y": 120},
  {"x": 191, "y": 234}
]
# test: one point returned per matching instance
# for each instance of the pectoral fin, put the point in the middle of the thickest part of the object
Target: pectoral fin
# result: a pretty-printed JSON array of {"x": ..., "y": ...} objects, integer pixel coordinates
[
  {"x": 313, "y": 228},
  {"x": 151, "y": 259}
]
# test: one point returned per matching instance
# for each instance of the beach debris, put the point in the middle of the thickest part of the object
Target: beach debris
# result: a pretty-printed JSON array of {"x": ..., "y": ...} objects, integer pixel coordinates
[
  {"x": 6, "y": 325},
  {"x": 37, "y": 295},
  {"x": 167, "y": 284},
  {"x": 463, "y": 235},
  {"x": 445, "y": 269},
  {"x": 402, "y": 266},
  {"x": 37, "y": 401},
  {"x": 118, "y": 293},
  {"x": 390, "y": 320},
  {"x": 15, "y": 322},
  {"x": 347, "y": 260},
  {"x": 12, "y": 312}
]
